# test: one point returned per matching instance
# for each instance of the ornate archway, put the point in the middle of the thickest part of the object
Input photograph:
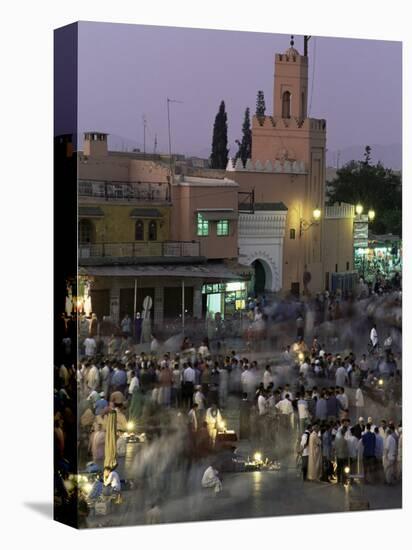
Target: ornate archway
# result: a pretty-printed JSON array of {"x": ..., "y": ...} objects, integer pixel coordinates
[
  {"x": 265, "y": 277},
  {"x": 259, "y": 282}
]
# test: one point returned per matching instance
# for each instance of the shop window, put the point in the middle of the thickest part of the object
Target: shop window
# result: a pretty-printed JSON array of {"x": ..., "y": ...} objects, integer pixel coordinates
[
  {"x": 202, "y": 226},
  {"x": 292, "y": 234},
  {"x": 152, "y": 231},
  {"x": 223, "y": 228},
  {"x": 139, "y": 230}
]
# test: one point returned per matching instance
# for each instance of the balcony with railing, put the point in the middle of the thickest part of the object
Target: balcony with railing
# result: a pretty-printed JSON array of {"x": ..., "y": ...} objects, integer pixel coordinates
[
  {"x": 166, "y": 249},
  {"x": 143, "y": 191}
]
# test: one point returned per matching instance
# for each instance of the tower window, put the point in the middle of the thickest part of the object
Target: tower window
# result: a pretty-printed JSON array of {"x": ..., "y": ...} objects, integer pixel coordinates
[
  {"x": 202, "y": 226},
  {"x": 292, "y": 234},
  {"x": 152, "y": 231},
  {"x": 139, "y": 230},
  {"x": 222, "y": 228},
  {"x": 286, "y": 105}
]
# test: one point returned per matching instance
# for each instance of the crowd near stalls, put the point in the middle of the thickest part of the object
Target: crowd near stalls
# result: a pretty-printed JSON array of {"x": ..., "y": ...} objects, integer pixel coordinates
[{"x": 336, "y": 413}]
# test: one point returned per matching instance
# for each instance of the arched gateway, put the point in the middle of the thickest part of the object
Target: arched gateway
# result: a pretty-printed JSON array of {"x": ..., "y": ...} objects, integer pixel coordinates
[{"x": 261, "y": 237}]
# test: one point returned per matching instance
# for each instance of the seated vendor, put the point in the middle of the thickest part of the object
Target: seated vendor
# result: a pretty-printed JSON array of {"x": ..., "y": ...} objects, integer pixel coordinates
[
  {"x": 111, "y": 482},
  {"x": 211, "y": 480}
]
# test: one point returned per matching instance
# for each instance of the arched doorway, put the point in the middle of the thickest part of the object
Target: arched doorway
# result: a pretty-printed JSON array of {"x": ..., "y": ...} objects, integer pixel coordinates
[{"x": 259, "y": 278}]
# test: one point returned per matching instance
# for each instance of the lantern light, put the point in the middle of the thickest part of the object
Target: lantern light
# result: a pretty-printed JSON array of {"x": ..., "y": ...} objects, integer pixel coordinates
[
  {"x": 359, "y": 209},
  {"x": 317, "y": 214}
]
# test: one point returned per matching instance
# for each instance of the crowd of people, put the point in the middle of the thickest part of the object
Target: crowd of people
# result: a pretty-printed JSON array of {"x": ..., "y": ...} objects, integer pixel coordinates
[{"x": 300, "y": 401}]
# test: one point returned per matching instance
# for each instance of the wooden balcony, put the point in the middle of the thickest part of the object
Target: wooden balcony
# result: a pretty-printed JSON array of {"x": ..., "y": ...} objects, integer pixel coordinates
[
  {"x": 136, "y": 249},
  {"x": 124, "y": 191}
]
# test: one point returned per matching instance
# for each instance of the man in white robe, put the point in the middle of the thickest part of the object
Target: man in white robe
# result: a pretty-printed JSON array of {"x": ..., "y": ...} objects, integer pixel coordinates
[
  {"x": 214, "y": 422},
  {"x": 211, "y": 480},
  {"x": 315, "y": 456},
  {"x": 390, "y": 453}
]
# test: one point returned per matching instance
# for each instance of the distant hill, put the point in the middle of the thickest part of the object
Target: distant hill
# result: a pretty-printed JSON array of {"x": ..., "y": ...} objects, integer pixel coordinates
[{"x": 389, "y": 155}]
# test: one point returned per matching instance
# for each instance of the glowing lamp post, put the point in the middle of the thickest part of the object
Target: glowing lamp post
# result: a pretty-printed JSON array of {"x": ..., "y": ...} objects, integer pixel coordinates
[
  {"x": 317, "y": 214},
  {"x": 358, "y": 209},
  {"x": 305, "y": 225},
  {"x": 371, "y": 215}
]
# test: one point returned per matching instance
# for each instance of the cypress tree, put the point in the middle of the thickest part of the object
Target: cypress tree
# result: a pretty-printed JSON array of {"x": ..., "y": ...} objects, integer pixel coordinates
[
  {"x": 219, "y": 156},
  {"x": 260, "y": 104},
  {"x": 245, "y": 146}
]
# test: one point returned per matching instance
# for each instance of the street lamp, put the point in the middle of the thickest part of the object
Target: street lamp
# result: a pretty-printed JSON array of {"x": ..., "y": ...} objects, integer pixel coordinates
[
  {"x": 359, "y": 209},
  {"x": 371, "y": 215},
  {"x": 305, "y": 225}
]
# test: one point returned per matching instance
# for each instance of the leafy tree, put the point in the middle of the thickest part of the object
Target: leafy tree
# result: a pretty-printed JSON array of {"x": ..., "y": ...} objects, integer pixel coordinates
[
  {"x": 375, "y": 187},
  {"x": 245, "y": 146},
  {"x": 219, "y": 156},
  {"x": 260, "y": 104}
]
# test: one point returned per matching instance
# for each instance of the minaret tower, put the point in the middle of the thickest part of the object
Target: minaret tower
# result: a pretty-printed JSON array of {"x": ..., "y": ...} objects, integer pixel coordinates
[{"x": 290, "y": 90}]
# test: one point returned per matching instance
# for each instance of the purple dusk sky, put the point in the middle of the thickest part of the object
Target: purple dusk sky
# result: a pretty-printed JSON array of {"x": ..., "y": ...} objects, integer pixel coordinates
[{"x": 127, "y": 71}]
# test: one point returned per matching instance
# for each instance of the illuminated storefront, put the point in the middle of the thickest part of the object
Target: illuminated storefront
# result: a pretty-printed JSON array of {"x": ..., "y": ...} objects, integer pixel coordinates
[
  {"x": 383, "y": 255},
  {"x": 225, "y": 298}
]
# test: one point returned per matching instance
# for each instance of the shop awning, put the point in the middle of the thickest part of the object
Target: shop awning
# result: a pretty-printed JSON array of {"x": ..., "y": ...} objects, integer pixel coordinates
[
  {"x": 270, "y": 206},
  {"x": 219, "y": 214},
  {"x": 90, "y": 212},
  {"x": 217, "y": 272},
  {"x": 145, "y": 213}
]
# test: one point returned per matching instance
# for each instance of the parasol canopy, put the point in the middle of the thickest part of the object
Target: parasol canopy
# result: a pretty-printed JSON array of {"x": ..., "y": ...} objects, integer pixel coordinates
[{"x": 110, "y": 442}]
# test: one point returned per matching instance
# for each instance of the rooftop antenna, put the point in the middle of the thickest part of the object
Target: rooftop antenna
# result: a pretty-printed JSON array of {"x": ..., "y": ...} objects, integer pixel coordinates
[
  {"x": 306, "y": 39},
  {"x": 155, "y": 144},
  {"x": 313, "y": 77},
  {"x": 169, "y": 101},
  {"x": 144, "y": 133}
]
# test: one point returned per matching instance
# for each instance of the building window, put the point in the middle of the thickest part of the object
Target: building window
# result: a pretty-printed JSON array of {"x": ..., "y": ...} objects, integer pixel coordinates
[
  {"x": 202, "y": 226},
  {"x": 152, "y": 231},
  {"x": 86, "y": 231},
  {"x": 139, "y": 231},
  {"x": 347, "y": 266},
  {"x": 286, "y": 105},
  {"x": 222, "y": 228},
  {"x": 336, "y": 268},
  {"x": 292, "y": 233}
]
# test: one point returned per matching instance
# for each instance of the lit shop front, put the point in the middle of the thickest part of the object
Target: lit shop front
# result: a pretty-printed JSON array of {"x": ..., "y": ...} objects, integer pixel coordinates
[
  {"x": 383, "y": 255},
  {"x": 224, "y": 298}
]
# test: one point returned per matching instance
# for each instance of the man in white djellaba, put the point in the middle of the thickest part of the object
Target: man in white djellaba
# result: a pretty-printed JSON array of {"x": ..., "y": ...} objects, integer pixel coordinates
[
  {"x": 359, "y": 403},
  {"x": 390, "y": 453},
  {"x": 211, "y": 480},
  {"x": 374, "y": 337},
  {"x": 93, "y": 378}
]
